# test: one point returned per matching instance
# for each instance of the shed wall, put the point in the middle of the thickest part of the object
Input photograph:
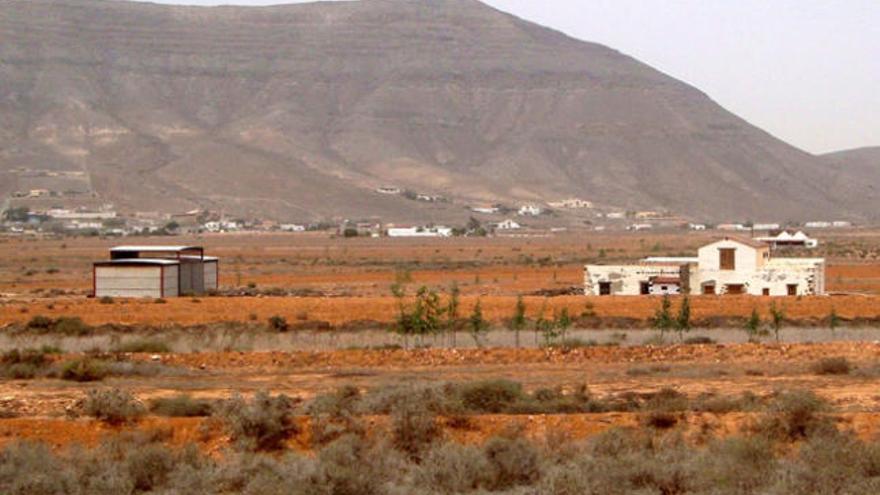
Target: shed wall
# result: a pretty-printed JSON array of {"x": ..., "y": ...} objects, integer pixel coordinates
[{"x": 127, "y": 281}]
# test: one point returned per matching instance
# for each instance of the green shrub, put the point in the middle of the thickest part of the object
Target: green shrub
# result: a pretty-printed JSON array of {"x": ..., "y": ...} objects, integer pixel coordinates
[
  {"x": 113, "y": 406},
  {"x": 181, "y": 406},
  {"x": 106, "y": 300},
  {"x": 84, "y": 370},
  {"x": 262, "y": 424},
  {"x": 39, "y": 323},
  {"x": 667, "y": 400},
  {"x": 832, "y": 366}
]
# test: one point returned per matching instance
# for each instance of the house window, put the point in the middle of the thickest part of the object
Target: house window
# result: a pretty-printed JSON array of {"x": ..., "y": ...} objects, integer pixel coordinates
[
  {"x": 709, "y": 289},
  {"x": 735, "y": 289},
  {"x": 792, "y": 289},
  {"x": 727, "y": 257},
  {"x": 604, "y": 288},
  {"x": 765, "y": 291},
  {"x": 644, "y": 288}
]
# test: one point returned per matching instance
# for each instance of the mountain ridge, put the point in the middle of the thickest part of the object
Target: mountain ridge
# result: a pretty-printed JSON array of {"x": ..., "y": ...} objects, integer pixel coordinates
[{"x": 300, "y": 111}]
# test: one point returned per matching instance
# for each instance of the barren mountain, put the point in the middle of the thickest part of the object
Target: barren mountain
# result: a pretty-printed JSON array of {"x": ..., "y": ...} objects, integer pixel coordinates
[
  {"x": 863, "y": 164},
  {"x": 301, "y": 111}
]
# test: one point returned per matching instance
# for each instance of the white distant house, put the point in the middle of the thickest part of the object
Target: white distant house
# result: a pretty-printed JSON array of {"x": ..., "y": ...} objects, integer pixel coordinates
[
  {"x": 765, "y": 226},
  {"x": 616, "y": 215},
  {"x": 841, "y": 224},
  {"x": 571, "y": 203},
  {"x": 736, "y": 227},
  {"x": 221, "y": 226},
  {"x": 529, "y": 211},
  {"x": 488, "y": 210},
  {"x": 508, "y": 225},
  {"x": 292, "y": 227},
  {"x": 388, "y": 190},
  {"x": 728, "y": 266},
  {"x": 821, "y": 224},
  {"x": 640, "y": 226},
  {"x": 420, "y": 232},
  {"x": 697, "y": 226},
  {"x": 787, "y": 239}
]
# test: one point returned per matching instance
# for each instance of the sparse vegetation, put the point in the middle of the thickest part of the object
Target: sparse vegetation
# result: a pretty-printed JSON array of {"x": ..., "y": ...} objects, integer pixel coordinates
[
  {"x": 832, "y": 366},
  {"x": 113, "y": 406},
  {"x": 261, "y": 424}
]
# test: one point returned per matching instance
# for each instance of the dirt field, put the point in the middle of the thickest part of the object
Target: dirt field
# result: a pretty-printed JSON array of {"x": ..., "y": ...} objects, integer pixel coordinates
[{"x": 345, "y": 285}]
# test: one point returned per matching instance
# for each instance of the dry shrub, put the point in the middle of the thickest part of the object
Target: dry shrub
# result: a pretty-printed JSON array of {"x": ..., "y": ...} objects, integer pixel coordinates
[
  {"x": 333, "y": 415},
  {"x": 414, "y": 427},
  {"x": 490, "y": 396},
  {"x": 84, "y": 370},
  {"x": 453, "y": 468},
  {"x": 113, "y": 406},
  {"x": 181, "y": 406},
  {"x": 512, "y": 462},
  {"x": 794, "y": 415},
  {"x": 262, "y": 424},
  {"x": 832, "y": 366}
]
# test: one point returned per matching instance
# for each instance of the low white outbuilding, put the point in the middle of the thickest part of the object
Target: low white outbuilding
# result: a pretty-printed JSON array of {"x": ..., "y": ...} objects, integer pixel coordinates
[{"x": 155, "y": 271}]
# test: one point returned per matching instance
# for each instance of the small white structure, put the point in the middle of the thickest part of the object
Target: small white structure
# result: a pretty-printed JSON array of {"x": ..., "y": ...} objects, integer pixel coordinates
[
  {"x": 508, "y": 225},
  {"x": 765, "y": 226},
  {"x": 487, "y": 210},
  {"x": 292, "y": 227},
  {"x": 419, "y": 232},
  {"x": 571, "y": 203},
  {"x": 697, "y": 226},
  {"x": 841, "y": 224},
  {"x": 388, "y": 190},
  {"x": 787, "y": 239},
  {"x": 640, "y": 226},
  {"x": 817, "y": 225},
  {"x": 728, "y": 266},
  {"x": 155, "y": 271},
  {"x": 736, "y": 227},
  {"x": 529, "y": 211}
]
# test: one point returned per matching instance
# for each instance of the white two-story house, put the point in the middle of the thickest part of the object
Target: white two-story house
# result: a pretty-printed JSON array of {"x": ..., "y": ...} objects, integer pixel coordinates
[{"x": 728, "y": 266}]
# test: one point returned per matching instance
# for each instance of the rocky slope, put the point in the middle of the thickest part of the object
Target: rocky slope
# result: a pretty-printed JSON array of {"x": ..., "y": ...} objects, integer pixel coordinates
[{"x": 301, "y": 111}]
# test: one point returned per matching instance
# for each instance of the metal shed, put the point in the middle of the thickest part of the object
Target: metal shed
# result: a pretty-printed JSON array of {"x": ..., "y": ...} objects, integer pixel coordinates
[{"x": 155, "y": 271}]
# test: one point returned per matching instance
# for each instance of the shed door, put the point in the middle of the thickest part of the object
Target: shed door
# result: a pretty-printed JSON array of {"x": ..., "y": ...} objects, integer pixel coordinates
[
  {"x": 604, "y": 288},
  {"x": 727, "y": 258}
]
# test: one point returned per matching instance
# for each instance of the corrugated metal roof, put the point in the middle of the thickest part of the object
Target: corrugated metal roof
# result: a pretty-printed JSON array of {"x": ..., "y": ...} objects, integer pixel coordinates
[
  {"x": 155, "y": 249},
  {"x": 138, "y": 261}
]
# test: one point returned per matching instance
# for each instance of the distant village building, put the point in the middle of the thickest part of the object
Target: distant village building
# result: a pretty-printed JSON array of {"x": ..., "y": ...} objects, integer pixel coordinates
[
  {"x": 765, "y": 226},
  {"x": 841, "y": 224},
  {"x": 508, "y": 225},
  {"x": 728, "y": 266},
  {"x": 697, "y": 226},
  {"x": 155, "y": 271},
  {"x": 488, "y": 210},
  {"x": 81, "y": 214},
  {"x": 735, "y": 227},
  {"x": 817, "y": 225},
  {"x": 529, "y": 210},
  {"x": 420, "y": 232},
  {"x": 640, "y": 226},
  {"x": 388, "y": 190},
  {"x": 571, "y": 203},
  {"x": 787, "y": 239},
  {"x": 616, "y": 215},
  {"x": 222, "y": 226},
  {"x": 292, "y": 227}
]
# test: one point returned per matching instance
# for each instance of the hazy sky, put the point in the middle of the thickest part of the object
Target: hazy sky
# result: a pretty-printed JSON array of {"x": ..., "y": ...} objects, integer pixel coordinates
[{"x": 807, "y": 71}]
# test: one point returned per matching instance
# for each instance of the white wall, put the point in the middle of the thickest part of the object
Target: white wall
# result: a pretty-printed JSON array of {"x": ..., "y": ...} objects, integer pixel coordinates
[
  {"x": 172, "y": 272},
  {"x": 625, "y": 279},
  {"x": 211, "y": 270}
]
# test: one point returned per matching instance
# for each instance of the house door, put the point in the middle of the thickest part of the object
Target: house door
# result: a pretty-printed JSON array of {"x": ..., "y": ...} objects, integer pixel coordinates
[
  {"x": 792, "y": 289},
  {"x": 604, "y": 288},
  {"x": 765, "y": 292},
  {"x": 644, "y": 288}
]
